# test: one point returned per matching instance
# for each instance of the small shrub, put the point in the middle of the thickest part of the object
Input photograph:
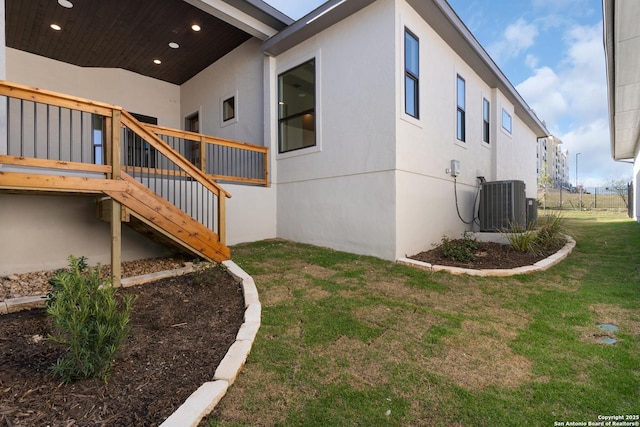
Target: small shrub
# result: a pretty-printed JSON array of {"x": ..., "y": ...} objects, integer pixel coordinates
[
  {"x": 550, "y": 231},
  {"x": 522, "y": 239},
  {"x": 88, "y": 319},
  {"x": 461, "y": 250}
]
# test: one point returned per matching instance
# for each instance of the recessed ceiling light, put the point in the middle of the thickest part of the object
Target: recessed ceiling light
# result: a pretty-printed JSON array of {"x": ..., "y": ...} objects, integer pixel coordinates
[
  {"x": 157, "y": 61},
  {"x": 196, "y": 27},
  {"x": 56, "y": 27},
  {"x": 174, "y": 45},
  {"x": 65, "y": 3}
]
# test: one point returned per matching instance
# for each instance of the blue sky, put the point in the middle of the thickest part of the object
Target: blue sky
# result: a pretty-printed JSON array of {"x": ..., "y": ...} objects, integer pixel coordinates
[{"x": 552, "y": 52}]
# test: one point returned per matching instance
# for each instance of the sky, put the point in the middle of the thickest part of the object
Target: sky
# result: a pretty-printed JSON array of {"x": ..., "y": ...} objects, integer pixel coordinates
[{"x": 552, "y": 53}]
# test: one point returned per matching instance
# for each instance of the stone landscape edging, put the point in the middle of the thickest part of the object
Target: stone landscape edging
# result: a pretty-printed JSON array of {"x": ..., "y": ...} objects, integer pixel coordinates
[
  {"x": 206, "y": 397},
  {"x": 538, "y": 266}
]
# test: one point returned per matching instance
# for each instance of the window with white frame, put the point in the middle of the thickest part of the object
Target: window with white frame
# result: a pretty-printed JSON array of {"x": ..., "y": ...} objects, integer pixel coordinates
[
  {"x": 506, "y": 120},
  {"x": 486, "y": 121},
  {"x": 460, "y": 111},
  {"x": 297, "y": 107},
  {"x": 411, "y": 74}
]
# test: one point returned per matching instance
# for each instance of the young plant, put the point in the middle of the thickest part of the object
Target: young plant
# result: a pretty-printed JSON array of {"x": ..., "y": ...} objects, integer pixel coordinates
[
  {"x": 461, "y": 250},
  {"x": 88, "y": 319},
  {"x": 550, "y": 231},
  {"x": 522, "y": 239}
]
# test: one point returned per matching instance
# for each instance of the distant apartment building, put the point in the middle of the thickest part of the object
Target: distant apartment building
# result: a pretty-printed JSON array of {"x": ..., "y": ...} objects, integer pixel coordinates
[{"x": 554, "y": 161}]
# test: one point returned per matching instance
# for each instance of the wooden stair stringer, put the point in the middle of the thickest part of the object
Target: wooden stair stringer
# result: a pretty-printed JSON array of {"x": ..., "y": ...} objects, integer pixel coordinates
[{"x": 166, "y": 219}]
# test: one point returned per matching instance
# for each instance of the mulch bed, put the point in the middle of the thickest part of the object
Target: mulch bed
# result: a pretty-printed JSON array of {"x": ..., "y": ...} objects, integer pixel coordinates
[
  {"x": 180, "y": 331},
  {"x": 489, "y": 255}
]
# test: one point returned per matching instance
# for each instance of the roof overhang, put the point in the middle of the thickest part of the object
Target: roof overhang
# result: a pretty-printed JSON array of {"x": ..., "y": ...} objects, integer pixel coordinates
[
  {"x": 621, "y": 34},
  {"x": 441, "y": 17},
  {"x": 131, "y": 34}
]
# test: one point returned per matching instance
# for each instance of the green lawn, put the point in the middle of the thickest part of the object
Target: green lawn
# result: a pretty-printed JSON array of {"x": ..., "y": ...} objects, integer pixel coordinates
[{"x": 350, "y": 340}]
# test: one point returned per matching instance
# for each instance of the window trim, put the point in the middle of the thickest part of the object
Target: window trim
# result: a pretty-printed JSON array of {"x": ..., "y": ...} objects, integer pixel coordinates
[
  {"x": 486, "y": 121},
  {"x": 410, "y": 75},
  {"x": 235, "y": 117},
  {"x": 508, "y": 130},
  {"x": 290, "y": 67},
  {"x": 461, "y": 120}
]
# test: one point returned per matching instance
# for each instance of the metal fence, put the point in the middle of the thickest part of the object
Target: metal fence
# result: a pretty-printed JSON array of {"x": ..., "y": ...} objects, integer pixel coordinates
[{"x": 587, "y": 198}]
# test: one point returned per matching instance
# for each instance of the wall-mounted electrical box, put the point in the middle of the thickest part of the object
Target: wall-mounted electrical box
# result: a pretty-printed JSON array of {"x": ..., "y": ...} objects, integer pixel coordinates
[{"x": 455, "y": 168}]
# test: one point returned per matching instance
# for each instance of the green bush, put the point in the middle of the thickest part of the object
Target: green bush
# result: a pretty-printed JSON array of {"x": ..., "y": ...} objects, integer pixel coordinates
[
  {"x": 88, "y": 319},
  {"x": 461, "y": 250}
]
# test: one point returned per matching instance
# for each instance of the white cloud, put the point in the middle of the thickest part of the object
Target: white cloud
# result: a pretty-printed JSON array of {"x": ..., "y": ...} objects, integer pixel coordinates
[
  {"x": 542, "y": 93},
  {"x": 531, "y": 61},
  {"x": 572, "y": 99},
  {"x": 595, "y": 163},
  {"x": 516, "y": 38}
]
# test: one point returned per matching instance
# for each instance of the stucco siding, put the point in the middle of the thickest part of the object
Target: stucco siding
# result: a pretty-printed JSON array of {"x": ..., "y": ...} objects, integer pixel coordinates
[
  {"x": 350, "y": 213},
  {"x": 239, "y": 74},
  {"x": 134, "y": 92},
  {"x": 40, "y": 232},
  {"x": 341, "y": 193},
  {"x": 426, "y": 206}
]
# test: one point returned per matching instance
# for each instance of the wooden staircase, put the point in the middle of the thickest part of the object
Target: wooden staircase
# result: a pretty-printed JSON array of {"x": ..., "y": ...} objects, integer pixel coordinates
[
  {"x": 125, "y": 182},
  {"x": 161, "y": 221}
]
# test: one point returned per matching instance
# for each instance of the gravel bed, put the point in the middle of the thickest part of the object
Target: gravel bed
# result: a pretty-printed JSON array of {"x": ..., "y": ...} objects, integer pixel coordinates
[{"x": 37, "y": 283}]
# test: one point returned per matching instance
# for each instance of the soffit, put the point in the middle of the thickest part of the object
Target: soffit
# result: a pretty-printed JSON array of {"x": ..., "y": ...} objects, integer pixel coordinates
[
  {"x": 130, "y": 34},
  {"x": 626, "y": 80}
]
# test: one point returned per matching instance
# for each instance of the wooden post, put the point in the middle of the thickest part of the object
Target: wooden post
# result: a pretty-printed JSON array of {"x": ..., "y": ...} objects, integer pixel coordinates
[
  {"x": 203, "y": 154},
  {"x": 222, "y": 218},
  {"x": 116, "y": 208}
]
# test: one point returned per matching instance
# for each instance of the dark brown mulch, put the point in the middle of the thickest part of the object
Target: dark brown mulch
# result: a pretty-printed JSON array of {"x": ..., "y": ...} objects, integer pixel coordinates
[
  {"x": 489, "y": 255},
  {"x": 180, "y": 331}
]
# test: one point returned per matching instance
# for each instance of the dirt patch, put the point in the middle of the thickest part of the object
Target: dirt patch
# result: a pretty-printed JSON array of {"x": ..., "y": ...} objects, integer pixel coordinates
[
  {"x": 480, "y": 357},
  {"x": 181, "y": 330},
  {"x": 488, "y": 255}
]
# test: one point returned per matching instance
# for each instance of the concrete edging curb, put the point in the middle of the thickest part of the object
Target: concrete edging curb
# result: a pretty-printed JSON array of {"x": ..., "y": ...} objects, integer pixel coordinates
[
  {"x": 206, "y": 397},
  {"x": 202, "y": 401},
  {"x": 538, "y": 266}
]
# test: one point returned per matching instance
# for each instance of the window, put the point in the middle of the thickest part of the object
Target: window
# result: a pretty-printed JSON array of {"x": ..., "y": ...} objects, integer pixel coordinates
[
  {"x": 506, "y": 121},
  {"x": 296, "y": 107},
  {"x": 460, "y": 116},
  {"x": 411, "y": 74},
  {"x": 97, "y": 124},
  {"x": 228, "y": 109},
  {"x": 486, "y": 114}
]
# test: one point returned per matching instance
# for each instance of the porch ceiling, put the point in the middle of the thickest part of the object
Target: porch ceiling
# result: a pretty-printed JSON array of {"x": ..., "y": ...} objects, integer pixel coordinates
[{"x": 129, "y": 34}]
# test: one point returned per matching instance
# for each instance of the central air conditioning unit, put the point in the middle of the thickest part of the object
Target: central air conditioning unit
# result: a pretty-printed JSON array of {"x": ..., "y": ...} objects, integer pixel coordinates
[{"x": 502, "y": 205}]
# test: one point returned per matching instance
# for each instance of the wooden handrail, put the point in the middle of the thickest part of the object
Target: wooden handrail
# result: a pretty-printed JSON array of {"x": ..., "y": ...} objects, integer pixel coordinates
[
  {"x": 15, "y": 90},
  {"x": 194, "y": 136},
  {"x": 129, "y": 121}
]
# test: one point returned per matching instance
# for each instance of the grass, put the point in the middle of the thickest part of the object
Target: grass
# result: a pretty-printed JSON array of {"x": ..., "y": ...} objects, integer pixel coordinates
[{"x": 354, "y": 340}]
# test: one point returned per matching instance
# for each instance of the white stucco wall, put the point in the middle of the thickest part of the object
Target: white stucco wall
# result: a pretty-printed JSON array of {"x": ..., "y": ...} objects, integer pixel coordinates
[
  {"x": 40, "y": 232},
  {"x": 251, "y": 212},
  {"x": 240, "y": 74},
  {"x": 134, "y": 92},
  {"x": 426, "y": 194},
  {"x": 341, "y": 193}
]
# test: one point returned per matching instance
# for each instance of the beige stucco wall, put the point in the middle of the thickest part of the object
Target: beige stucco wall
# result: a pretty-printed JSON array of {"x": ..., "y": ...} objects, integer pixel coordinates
[
  {"x": 39, "y": 233},
  {"x": 132, "y": 91}
]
